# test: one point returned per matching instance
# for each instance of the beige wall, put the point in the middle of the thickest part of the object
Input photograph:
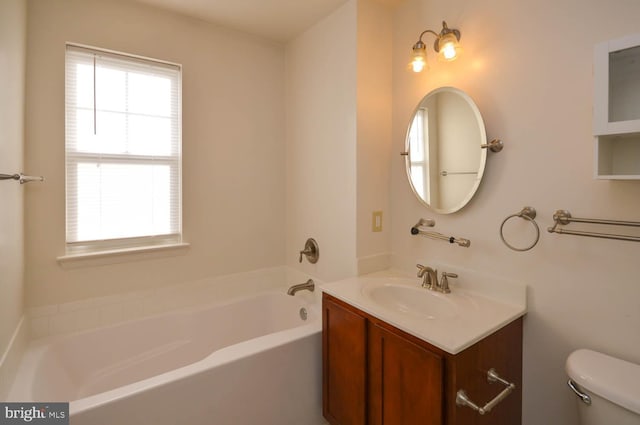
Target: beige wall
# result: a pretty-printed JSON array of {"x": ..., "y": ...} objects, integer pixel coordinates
[
  {"x": 321, "y": 144},
  {"x": 338, "y": 140},
  {"x": 528, "y": 66},
  {"x": 374, "y": 103},
  {"x": 233, "y": 146},
  {"x": 12, "y": 62}
]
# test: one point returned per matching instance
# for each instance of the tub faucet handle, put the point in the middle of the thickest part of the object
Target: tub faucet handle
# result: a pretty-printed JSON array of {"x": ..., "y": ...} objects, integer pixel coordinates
[
  {"x": 303, "y": 252},
  {"x": 311, "y": 251}
]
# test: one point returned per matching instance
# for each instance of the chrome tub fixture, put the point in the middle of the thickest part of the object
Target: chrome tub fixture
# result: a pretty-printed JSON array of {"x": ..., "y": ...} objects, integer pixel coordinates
[
  {"x": 311, "y": 251},
  {"x": 309, "y": 285}
]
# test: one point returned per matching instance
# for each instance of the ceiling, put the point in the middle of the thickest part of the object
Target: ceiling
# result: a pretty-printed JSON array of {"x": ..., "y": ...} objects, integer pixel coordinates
[{"x": 278, "y": 20}]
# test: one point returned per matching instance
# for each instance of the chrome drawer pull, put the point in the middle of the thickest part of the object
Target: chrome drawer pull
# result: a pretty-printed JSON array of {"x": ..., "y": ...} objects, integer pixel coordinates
[{"x": 492, "y": 376}]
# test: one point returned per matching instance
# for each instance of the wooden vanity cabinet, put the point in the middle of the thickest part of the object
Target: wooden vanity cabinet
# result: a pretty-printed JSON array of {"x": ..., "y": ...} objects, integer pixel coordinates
[
  {"x": 344, "y": 354},
  {"x": 376, "y": 374}
]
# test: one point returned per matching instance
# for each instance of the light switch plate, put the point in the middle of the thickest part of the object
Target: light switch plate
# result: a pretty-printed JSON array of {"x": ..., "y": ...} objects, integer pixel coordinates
[{"x": 376, "y": 221}]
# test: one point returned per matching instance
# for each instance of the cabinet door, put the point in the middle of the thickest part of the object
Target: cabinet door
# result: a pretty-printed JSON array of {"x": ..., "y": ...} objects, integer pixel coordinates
[
  {"x": 344, "y": 365},
  {"x": 467, "y": 371},
  {"x": 502, "y": 351},
  {"x": 405, "y": 381},
  {"x": 616, "y": 86}
]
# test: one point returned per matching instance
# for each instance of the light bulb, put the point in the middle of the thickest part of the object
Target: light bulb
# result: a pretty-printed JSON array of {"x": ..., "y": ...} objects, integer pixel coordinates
[
  {"x": 449, "y": 49},
  {"x": 418, "y": 58},
  {"x": 418, "y": 64},
  {"x": 449, "y": 52}
]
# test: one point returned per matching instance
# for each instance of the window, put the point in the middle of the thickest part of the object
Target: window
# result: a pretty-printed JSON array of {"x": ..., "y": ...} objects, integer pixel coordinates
[
  {"x": 419, "y": 148},
  {"x": 123, "y": 151}
]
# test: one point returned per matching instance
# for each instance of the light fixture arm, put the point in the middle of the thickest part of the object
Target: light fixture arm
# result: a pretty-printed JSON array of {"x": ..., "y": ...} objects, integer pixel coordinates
[{"x": 426, "y": 31}]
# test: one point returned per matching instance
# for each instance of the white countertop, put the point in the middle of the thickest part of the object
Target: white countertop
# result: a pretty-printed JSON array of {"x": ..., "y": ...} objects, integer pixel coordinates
[{"x": 467, "y": 316}]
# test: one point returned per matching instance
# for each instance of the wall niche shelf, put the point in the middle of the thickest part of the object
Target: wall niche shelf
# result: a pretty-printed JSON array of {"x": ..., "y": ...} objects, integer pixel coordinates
[{"x": 616, "y": 112}]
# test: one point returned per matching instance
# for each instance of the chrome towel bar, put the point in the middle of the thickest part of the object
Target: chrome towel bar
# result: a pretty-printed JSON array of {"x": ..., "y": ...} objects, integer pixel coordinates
[
  {"x": 492, "y": 376},
  {"x": 451, "y": 173},
  {"x": 21, "y": 178},
  {"x": 563, "y": 217},
  {"x": 427, "y": 222}
]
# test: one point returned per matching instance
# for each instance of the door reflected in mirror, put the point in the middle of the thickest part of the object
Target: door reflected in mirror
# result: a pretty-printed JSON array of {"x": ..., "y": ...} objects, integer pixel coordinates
[{"x": 445, "y": 159}]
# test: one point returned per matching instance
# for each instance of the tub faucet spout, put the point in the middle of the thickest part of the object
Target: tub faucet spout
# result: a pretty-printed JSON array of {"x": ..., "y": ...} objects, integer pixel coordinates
[{"x": 308, "y": 285}]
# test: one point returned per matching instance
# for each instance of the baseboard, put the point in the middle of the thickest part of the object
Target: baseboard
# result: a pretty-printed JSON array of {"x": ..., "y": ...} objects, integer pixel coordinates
[{"x": 11, "y": 357}]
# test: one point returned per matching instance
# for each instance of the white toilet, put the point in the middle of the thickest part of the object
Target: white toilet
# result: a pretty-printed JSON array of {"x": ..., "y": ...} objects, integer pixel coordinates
[{"x": 607, "y": 389}]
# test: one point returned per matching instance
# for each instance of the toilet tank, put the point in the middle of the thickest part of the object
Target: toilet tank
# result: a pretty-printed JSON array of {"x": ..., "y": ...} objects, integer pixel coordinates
[{"x": 613, "y": 386}]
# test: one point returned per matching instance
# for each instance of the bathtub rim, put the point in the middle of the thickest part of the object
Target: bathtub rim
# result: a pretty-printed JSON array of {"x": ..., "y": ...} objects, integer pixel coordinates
[{"x": 217, "y": 358}]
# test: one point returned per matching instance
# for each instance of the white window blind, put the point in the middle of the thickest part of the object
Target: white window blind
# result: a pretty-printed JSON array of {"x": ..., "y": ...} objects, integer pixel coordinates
[
  {"x": 419, "y": 148},
  {"x": 123, "y": 150}
]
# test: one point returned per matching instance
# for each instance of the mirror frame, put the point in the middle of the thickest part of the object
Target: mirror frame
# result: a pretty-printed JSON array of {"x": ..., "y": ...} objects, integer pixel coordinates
[{"x": 483, "y": 154}]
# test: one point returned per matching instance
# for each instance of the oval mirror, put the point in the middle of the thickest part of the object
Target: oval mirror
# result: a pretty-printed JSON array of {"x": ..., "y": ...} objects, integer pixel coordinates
[{"x": 444, "y": 151}]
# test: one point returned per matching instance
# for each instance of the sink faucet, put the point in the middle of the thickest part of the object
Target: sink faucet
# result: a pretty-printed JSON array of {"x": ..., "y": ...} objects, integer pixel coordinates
[
  {"x": 430, "y": 279},
  {"x": 429, "y": 276},
  {"x": 308, "y": 285}
]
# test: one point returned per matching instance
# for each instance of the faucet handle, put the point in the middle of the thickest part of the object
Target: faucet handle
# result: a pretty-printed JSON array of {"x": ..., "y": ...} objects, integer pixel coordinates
[
  {"x": 311, "y": 251},
  {"x": 444, "y": 282},
  {"x": 421, "y": 270},
  {"x": 303, "y": 252}
]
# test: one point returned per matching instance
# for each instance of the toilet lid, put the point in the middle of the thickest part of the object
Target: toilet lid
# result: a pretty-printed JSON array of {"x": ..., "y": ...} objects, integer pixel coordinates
[{"x": 610, "y": 378}]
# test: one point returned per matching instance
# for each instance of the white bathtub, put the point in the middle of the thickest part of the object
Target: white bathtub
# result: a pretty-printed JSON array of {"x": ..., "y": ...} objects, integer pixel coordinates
[{"x": 251, "y": 361}]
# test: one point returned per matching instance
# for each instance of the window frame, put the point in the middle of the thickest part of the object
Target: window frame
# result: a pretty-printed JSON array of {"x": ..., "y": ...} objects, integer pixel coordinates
[
  {"x": 418, "y": 129},
  {"x": 75, "y": 157}
]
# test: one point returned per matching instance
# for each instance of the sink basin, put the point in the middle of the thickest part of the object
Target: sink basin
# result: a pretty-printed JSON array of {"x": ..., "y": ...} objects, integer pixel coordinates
[
  {"x": 413, "y": 300},
  {"x": 451, "y": 322}
]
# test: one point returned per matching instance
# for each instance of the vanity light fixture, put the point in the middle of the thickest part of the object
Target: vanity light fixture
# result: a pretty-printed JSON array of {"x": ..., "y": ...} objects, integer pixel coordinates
[{"x": 446, "y": 45}]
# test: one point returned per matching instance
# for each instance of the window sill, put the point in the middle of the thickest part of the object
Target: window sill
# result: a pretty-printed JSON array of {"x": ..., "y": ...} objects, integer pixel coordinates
[{"x": 115, "y": 256}]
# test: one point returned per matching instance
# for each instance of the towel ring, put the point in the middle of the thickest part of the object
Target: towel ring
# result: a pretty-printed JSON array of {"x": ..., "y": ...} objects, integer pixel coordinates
[{"x": 529, "y": 214}]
